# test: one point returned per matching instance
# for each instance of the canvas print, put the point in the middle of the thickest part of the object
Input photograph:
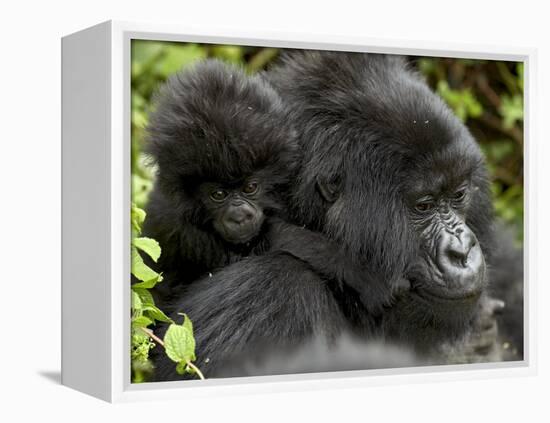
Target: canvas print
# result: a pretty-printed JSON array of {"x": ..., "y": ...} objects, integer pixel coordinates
[{"x": 298, "y": 211}]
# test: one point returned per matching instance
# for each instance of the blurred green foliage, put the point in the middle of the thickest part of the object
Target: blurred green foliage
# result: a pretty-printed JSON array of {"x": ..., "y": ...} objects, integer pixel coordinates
[{"x": 486, "y": 95}]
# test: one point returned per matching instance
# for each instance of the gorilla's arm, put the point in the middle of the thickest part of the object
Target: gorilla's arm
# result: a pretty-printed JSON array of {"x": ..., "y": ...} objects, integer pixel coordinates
[
  {"x": 259, "y": 304},
  {"x": 329, "y": 260}
]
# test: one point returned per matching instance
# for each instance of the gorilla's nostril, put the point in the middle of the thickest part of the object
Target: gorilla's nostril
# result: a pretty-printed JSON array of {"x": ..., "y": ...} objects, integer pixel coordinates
[
  {"x": 458, "y": 258},
  {"x": 457, "y": 250}
]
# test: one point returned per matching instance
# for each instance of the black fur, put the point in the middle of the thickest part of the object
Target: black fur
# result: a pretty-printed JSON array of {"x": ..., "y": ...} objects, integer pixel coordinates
[
  {"x": 212, "y": 123},
  {"x": 372, "y": 125},
  {"x": 371, "y": 129},
  {"x": 215, "y": 124}
]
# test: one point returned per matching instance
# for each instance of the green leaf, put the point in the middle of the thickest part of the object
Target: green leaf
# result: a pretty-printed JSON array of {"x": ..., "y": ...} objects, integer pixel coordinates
[
  {"x": 136, "y": 302},
  {"x": 179, "y": 343},
  {"x": 157, "y": 314},
  {"x": 148, "y": 284},
  {"x": 181, "y": 368},
  {"x": 187, "y": 322},
  {"x": 141, "y": 322},
  {"x": 149, "y": 246},
  {"x": 137, "y": 218},
  {"x": 148, "y": 277},
  {"x": 144, "y": 295}
]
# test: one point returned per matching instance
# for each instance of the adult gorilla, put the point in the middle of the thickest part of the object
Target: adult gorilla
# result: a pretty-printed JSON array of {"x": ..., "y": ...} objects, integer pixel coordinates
[{"x": 392, "y": 176}]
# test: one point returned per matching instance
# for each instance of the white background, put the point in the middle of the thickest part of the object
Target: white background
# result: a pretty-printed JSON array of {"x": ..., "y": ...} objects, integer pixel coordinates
[{"x": 30, "y": 207}]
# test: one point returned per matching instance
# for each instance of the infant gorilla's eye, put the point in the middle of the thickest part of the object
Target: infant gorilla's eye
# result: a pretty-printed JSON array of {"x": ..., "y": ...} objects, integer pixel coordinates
[
  {"x": 424, "y": 206},
  {"x": 218, "y": 195},
  {"x": 250, "y": 187}
]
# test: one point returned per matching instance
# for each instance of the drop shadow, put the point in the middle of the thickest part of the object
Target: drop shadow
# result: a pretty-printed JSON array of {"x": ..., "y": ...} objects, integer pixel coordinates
[{"x": 53, "y": 376}]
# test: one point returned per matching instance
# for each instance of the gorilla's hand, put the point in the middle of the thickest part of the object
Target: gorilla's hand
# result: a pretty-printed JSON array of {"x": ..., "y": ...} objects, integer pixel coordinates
[
  {"x": 482, "y": 344},
  {"x": 485, "y": 333}
]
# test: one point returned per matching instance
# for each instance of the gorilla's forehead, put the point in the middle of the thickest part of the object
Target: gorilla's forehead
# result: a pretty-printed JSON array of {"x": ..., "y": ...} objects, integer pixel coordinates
[
  {"x": 426, "y": 162},
  {"x": 370, "y": 116}
]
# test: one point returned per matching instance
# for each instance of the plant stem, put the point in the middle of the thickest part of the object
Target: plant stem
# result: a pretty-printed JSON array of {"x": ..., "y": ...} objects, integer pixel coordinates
[
  {"x": 196, "y": 369},
  {"x": 150, "y": 333}
]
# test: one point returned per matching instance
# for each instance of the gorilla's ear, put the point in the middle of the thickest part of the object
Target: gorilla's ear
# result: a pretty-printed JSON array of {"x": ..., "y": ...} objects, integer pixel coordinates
[{"x": 329, "y": 189}]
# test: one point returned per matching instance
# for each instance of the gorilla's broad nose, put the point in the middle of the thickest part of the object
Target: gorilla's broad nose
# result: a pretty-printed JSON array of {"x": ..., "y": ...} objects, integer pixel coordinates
[
  {"x": 458, "y": 247},
  {"x": 460, "y": 258},
  {"x": 240, "y": 214}
]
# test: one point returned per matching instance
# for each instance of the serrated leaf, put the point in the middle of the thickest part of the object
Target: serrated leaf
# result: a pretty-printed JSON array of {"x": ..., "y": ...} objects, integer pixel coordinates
[
  {"x": 148, "y": 277},
  {"x": 149, "y": 246},
  {"x": 179, "y": 343},
  {"x": 141, "y": 322}
]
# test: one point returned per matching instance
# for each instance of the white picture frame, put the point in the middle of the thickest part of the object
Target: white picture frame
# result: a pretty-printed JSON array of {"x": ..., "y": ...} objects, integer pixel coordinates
[{"x": 96, "y": 161}]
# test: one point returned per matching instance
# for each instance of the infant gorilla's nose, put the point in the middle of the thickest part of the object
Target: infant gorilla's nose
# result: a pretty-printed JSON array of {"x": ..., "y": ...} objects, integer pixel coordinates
[
  {"x": 241, "y": 222},
  {"x": 239, "y": 215}
]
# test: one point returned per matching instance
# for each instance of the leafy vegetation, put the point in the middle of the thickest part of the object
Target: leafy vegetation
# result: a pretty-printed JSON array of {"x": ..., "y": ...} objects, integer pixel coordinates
[
  {"x": 178, "y": 342},
  {"x": 486, "y": 95}
]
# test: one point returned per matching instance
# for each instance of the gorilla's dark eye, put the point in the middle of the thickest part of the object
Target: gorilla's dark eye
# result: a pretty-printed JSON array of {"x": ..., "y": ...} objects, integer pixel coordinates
[
  {"x": 424, "y": 206},
  {"x": 218, "y": 195},
  {"x": 250, "y": 188},
  {"x": 460, "y": 194}
]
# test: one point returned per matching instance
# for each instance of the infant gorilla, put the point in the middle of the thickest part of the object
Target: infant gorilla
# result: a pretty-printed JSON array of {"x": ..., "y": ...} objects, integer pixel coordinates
[{"x": 226, "y": 157}]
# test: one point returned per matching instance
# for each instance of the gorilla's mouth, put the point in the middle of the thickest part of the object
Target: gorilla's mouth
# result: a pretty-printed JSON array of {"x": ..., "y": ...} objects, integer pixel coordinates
[
  {"x": 243, "y": 233},
  {"x": 450, "y": 296},
  {"x": 240, "y": 233},
  {"x": 443, "y": 295},
  {"x": 242, "y": 237}
]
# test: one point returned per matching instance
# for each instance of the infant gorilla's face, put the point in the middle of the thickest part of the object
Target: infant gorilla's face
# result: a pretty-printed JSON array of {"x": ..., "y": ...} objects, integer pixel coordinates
[{"x": 234, "y": 209}]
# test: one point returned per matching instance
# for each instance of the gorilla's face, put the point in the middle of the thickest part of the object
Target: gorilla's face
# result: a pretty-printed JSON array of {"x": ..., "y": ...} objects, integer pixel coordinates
[
  {"x": 450, "y": 265},
  {"x": 235, "y": 210},
  {"x": 411, "y": 203}
]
